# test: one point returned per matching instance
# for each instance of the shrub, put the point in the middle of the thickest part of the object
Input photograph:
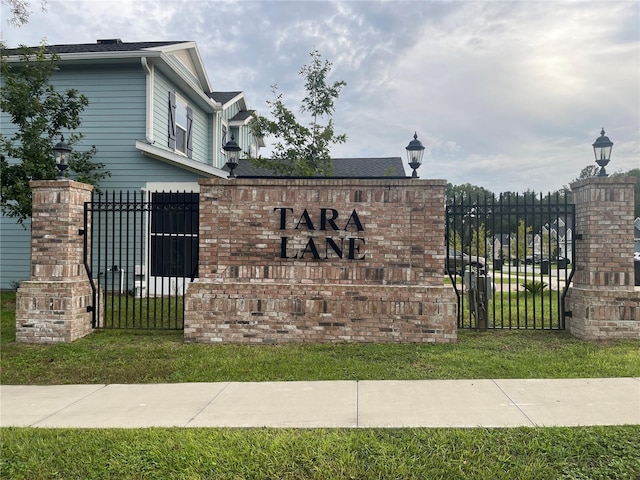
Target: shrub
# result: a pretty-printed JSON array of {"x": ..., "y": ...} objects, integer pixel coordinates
[{"x": 534, "y": 287}]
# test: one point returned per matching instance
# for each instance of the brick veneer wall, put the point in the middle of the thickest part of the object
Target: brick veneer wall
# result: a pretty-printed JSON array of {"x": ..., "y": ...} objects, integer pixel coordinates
[
  {"x": 390, "y": 291},
  {"x": 52, "y": 306},
  {"x": 602, "y": 299}
]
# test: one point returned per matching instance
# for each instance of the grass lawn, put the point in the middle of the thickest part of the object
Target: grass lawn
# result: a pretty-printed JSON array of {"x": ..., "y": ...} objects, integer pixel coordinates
[
  {"x": 121, "y": 356},
  {"x": 134, "y": 356},
  {"x": 178, "y": 453}
]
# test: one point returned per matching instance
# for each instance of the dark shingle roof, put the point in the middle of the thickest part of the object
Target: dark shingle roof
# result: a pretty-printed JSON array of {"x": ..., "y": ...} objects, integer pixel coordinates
[
  {"x": 368, "y": 167},
  {"x": 241, "y": 116},
  {"x": 342, "y": 167},
  {"x": 224, "y": 97},
  {"x": 109, "y": 45}
]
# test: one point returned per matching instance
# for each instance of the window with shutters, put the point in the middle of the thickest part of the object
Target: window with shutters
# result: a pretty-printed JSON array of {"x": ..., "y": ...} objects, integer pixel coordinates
[{"x": 180, "y": 125}]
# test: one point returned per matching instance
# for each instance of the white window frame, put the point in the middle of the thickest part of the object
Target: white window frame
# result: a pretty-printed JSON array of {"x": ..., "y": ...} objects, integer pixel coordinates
[{"x": 181, "y": 114}]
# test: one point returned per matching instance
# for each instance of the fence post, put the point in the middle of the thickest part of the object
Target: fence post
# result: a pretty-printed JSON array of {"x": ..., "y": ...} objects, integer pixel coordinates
[
  {"x": 52, "y": 306},
  {"x": 603, "y": 301}
]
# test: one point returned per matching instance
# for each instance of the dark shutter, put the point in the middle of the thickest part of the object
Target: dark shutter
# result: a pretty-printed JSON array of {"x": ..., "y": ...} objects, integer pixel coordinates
[
  {"x": 172, "y": 120},
  {"x": 189, "y": 131}
]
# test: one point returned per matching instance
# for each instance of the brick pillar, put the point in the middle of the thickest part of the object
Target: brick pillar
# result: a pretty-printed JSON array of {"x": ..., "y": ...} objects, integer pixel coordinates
[
  {"x": 603, "y": 300},
  {"x": 52, "y": 305}
]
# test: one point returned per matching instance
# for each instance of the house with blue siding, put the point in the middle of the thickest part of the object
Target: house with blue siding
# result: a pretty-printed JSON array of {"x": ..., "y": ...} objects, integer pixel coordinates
[{"x": 154, "y": 117}]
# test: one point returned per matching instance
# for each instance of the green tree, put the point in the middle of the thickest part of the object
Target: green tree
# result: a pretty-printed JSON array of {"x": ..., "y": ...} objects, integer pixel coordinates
[
  {"x": 588, "y": 171},
  {"x": 467, "y": 193},
  {"x": 455, "y": 242},
  {"x": 480, "y": 242},
  {"x": 20, "y": 12},
  {"x": 520, "y": 241},
  {"x": 40, "y": 114},
  {"x": 302, "y": 150}
]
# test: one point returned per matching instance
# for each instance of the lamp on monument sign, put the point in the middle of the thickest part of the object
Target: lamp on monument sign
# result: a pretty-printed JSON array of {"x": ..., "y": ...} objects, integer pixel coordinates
[
  {"x": 232, "y": 150},
  {"x": 602, "y": 150},
  {"x": 415, "y": 150},
  {"x": 61, "y": 153}
]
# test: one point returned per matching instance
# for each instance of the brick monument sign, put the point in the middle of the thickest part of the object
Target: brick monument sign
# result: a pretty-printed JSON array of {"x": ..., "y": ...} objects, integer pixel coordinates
[{"x": 321, "y": 260}]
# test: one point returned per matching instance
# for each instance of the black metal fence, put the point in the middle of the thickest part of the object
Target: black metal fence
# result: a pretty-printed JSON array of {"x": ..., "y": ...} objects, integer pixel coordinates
[
  {"x": 510, "y": 259},
  {"x": 141, "y": 252}
]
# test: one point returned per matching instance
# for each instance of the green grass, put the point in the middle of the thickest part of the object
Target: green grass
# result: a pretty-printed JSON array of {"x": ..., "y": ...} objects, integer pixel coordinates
[
  {"x": 519, "y": 310},
  {"x": 135, "y": 356},
  {"x": 125, "y": 311},
  {"x": 7, "y": 317},
  {"x": 178, "y": 453}
]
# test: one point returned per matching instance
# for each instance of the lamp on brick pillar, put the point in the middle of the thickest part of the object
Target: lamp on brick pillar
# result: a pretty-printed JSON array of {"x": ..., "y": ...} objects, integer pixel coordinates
[
  {"x": 233, "y": 151},
  {"x": 415, "y": 151},
  {"x": 61, "y": 153},
  {"x": 602, "y": 150}
]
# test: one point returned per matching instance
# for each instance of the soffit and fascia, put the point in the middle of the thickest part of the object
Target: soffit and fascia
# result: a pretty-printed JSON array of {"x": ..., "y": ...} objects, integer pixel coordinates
[{"x": 178, "y": 160}]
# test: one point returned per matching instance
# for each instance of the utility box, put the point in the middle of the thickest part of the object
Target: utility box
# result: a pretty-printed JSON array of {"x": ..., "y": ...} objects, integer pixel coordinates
[{"x": 479, "y": 293}]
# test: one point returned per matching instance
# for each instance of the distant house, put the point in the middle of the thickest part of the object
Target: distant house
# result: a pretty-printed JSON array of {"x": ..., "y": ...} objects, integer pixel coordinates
[
  {"x": 158, "y": 126},
  {"x": 501, "y": 246},
  {"x": 561, "y": 234}
]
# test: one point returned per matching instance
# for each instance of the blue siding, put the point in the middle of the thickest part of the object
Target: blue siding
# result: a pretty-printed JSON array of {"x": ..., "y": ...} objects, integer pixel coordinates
[
  {"x": 113, "y": 122},
  {"x": 15, "y": 252}
]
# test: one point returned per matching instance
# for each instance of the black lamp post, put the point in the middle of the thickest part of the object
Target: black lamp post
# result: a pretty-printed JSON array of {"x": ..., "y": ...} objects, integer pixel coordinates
[
  {"x": 233, "y": 151},
  {"x": 415, "y": 150},
  {"x": 602, "y": 150},
  {"x": 61, "y": 153}
]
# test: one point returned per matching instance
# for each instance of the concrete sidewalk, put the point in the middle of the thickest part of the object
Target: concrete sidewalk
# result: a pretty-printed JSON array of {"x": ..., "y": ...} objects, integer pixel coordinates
[{"x": 350, "y": 404}]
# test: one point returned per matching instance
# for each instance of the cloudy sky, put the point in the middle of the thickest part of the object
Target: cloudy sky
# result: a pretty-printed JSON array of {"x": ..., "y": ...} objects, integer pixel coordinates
[{"x": 505, "y": 95}]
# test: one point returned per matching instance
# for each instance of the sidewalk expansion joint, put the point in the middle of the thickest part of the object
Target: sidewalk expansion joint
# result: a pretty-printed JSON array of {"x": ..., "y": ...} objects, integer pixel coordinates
[
  {"x": 35, "y": 424},
  {"x": 357, "y": 403},
  {"x": 208, "y": 403},
  {"x": 515, "y": 404}
]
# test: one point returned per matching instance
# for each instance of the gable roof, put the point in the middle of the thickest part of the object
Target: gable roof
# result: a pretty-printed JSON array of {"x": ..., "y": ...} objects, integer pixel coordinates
[
  {"x": 342, "y": 167},
  {"x": 166, "y": 55},
  {"x": 224, "y": 97}
]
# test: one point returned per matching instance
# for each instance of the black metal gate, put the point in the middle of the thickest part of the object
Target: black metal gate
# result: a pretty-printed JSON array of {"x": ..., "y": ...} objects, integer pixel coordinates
[
  {"x": 510, "y": 259},
  {"x": 141, "y": 252}
]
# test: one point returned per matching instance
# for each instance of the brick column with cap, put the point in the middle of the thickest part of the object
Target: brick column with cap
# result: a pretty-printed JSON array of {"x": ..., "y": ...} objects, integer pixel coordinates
[
  {"x": 52, "y": 306},
  {"x": 603, "y": 301}
]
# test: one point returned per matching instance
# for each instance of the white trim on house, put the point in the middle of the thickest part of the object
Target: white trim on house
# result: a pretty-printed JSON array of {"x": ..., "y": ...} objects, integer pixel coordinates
[
  {"x": 172, "y": 187},
  {"x": 150, "y": 83},
  {"x": 180, "y": 160},
  {"x": 235, "y": 99}
]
